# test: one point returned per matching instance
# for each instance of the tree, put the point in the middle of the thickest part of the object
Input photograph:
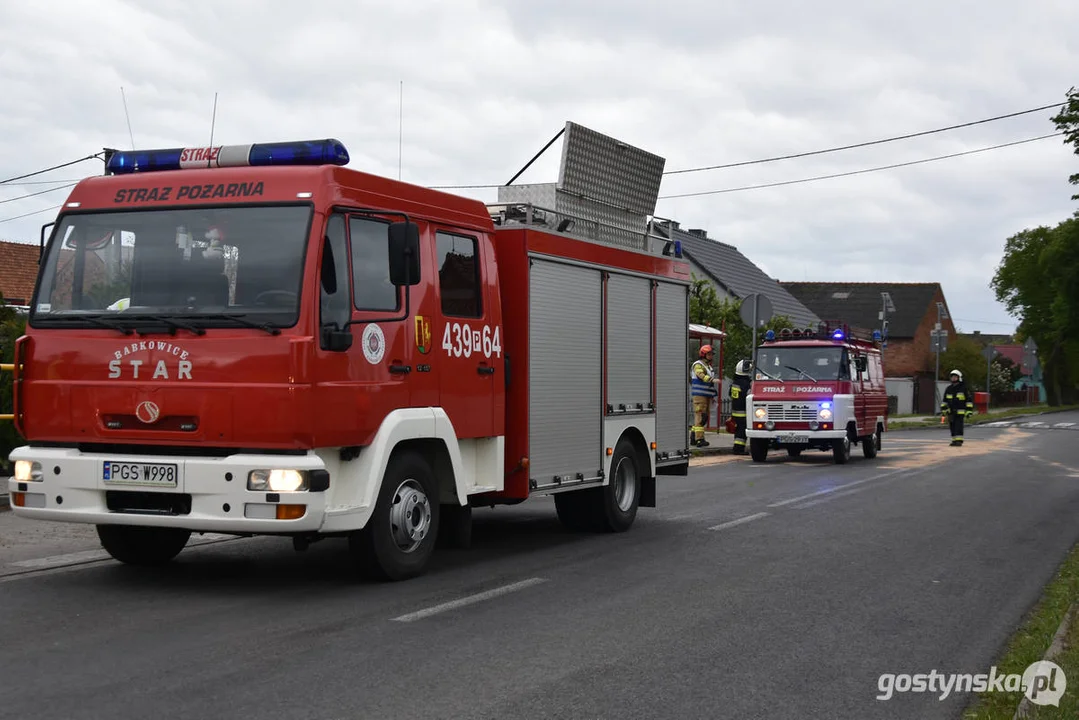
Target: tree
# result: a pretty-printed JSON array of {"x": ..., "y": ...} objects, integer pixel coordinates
[
  {"x": 965, "y": 355},
  {"x": 1067, "y": 121},
  {"x": 1038, "y": 282},
  {"x": 706, "y": 308},
  {"x": 12, "y": 325}
]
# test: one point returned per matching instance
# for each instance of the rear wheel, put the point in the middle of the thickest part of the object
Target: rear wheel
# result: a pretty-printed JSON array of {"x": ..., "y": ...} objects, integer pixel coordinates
[
  {"x": 611, "y": 508},
  {"x": 758, "y": 448},
  {"x": 871, "y": 444},
  {"x": 402, "y": 532},
  {"x": 145, "y": 546}
]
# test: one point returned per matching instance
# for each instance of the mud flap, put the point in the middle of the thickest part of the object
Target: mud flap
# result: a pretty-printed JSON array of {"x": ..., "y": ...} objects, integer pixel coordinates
[{"x": 648, "y": 492}]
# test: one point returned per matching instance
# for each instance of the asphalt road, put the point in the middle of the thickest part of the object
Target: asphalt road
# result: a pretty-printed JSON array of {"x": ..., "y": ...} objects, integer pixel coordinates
[{"x": 774, "y": 591}]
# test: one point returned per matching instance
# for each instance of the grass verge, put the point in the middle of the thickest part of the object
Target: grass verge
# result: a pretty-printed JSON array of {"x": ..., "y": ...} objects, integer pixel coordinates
[
  {"x": 1029, "y": 644},
  {"x": 994, "y": 416}
]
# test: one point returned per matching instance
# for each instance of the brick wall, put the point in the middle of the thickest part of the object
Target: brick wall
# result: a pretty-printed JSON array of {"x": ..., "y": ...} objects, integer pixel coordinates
[{"x": 910, "y": 357}]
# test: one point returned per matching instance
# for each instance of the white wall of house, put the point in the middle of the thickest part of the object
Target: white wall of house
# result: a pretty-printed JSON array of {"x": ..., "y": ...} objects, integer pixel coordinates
[{"x": 903, "y": 390}]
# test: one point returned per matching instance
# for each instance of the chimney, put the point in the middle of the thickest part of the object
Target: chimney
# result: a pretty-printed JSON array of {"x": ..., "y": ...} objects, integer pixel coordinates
[{"x": 697, "y": 232}]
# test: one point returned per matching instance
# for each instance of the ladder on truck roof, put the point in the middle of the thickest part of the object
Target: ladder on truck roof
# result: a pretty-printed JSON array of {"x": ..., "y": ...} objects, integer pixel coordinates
[{"x": 606, "y": 193}]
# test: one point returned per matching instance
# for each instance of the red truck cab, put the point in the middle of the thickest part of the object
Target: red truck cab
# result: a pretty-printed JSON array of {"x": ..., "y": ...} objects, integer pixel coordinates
[{"x": 818, "y": 389}]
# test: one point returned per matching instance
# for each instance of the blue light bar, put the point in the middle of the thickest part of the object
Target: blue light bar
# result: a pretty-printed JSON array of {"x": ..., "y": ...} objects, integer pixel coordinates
[{"x": 306, "y": 152}]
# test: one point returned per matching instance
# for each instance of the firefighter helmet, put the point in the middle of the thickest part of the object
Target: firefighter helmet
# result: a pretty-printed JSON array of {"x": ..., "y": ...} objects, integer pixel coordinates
[
  {"x": 957, "y": 374},
  {"x": 706, "y": 350},
  {"x": 742, "y": 368}
]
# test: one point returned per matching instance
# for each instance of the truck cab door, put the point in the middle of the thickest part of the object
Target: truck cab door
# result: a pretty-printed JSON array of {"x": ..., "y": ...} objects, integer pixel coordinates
[
  {"x": 860, "y": 383},
  {"x": 468, "y": 333}
]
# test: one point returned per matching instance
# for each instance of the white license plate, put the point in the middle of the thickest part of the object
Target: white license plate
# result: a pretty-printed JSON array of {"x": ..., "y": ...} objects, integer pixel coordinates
[
  {"x": 136, "y": 473},
  {"x": 792, "y": 439}
]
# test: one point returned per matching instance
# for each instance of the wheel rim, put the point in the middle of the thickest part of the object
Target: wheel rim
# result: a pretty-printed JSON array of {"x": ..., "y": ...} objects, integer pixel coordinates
[
  {"x": 410, "y": 516},
  {"x": 846, "y": 446},
  {"x": 624, "y": 484}
]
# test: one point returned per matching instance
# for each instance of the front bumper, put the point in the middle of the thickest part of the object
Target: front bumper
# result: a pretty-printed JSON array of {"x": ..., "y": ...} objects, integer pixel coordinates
[
  {"x": 809, "y": 435},
  {"x": 210, "y": 495}
]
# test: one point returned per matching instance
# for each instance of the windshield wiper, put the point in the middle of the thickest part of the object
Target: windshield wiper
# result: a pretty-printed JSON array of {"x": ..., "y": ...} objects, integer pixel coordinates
[
  {"x": 90, "y": 319},
  {"x": 768, "y": 374},
  {"x": 172, "y": 322},
  {"x": 800, "y": 370},
  {"x": 242, "y": 320}
]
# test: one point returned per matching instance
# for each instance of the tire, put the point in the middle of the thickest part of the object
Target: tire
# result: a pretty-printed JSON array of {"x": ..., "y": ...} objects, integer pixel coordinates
[
  {"x": 144, "y": 546},
  {"x": 620, "y": 498},
  {"x": 611, "y": 508},
  {"x": 841, "y": 450},
  {"x": 871, "y": 444},
  {"x": 403, "y": 530},
  {"x": 758, "y": 448}
]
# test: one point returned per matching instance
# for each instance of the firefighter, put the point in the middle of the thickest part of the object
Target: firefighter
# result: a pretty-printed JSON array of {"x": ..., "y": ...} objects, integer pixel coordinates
[
  {"x": 739, "y": 391},
  {"x": 702, "y": 384},
  {"x": 957, "y": 403}
]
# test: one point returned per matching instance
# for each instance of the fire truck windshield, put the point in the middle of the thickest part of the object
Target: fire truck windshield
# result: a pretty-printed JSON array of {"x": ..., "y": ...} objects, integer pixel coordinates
[
  {"x": 192, "y": 267},
  {"x": 815, "y": 364}
]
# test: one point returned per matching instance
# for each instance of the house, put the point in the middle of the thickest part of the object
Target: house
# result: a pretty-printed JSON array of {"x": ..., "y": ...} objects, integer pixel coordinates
[
  {"x": 1029, "y": 366},
  {"x": 18, "y": 272},
  {"x": 909, "y": 359},
  {"x": 732, "y": 274}
]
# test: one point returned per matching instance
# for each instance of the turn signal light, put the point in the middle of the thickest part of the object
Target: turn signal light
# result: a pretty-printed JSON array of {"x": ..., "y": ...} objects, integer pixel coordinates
[
  {"x": 18, "y": 499},
  {"x": 291, "y": 512}
]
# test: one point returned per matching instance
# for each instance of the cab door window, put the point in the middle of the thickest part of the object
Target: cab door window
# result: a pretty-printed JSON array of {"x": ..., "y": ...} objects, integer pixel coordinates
[
  {"x": 371, "y": 284},
  {"x": 459, "y": 275},
  {"x": 335, "y": 307}
]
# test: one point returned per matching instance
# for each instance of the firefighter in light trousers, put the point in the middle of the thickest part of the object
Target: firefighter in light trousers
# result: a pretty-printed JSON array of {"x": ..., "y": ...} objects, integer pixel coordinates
[
  {"x": 738, "y": 392},
  {"x": 957, "y": 404},
  {"x": 702, "y": 385}
]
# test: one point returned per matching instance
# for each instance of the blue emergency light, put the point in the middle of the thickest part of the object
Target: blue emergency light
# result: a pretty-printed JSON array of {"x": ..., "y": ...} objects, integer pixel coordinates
[
  {"x": 837, "y": 335},
  {"x": 306, "y": 152},
  {"x": 770, "y": 336}
]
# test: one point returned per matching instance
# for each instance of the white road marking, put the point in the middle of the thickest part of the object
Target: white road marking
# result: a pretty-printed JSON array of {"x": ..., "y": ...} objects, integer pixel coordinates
[
  {"x": 1064, "y": 425},
  {"x": 471, "y": 599},
  {"x": 740, "y": 521},
  {"x": 829, "y": 498}
]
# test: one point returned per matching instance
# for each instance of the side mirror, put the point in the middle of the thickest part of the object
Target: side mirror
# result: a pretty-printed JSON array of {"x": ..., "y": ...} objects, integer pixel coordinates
[
  {"x": 862, "y": 363},
  {"x": 335, "y": 339},
  {"x": 404, "y": 253}
]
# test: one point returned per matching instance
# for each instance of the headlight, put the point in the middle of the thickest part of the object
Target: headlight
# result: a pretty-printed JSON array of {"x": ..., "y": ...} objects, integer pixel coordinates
[
  {"x": 26, "y": 471},
  {"x": 276, "y": 480},
  {"x": 760, "y": 413},
  {"x": 825, "y": 414}
]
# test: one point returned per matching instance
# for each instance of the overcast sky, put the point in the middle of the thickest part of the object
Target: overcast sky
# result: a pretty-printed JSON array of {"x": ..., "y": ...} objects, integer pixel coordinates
[{"x": 487, "y": 84}]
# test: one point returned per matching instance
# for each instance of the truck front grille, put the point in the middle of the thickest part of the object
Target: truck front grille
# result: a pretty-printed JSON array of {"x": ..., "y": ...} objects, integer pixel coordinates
[{"x": 791, "y": 412}]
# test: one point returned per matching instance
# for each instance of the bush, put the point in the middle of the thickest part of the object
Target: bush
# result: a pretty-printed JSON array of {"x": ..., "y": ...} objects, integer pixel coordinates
[{"x": 12, "y": 325}]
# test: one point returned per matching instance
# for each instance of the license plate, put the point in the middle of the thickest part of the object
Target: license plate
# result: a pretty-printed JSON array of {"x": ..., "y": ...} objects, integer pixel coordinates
[
  {"x": 792, "y": 439},
  {"x": 136, "y": 473}
]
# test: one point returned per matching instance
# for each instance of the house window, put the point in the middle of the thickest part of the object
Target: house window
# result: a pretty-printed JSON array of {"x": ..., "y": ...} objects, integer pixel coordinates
[{"x": 459, "y": 275}]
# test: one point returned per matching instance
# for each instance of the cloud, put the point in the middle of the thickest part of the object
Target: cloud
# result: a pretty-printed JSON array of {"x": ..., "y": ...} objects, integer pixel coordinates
[{"x": 486, "y": 84}]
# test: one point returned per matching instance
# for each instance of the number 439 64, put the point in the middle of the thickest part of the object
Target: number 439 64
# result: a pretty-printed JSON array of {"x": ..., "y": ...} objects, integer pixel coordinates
[{"x": 460, "y": 339}]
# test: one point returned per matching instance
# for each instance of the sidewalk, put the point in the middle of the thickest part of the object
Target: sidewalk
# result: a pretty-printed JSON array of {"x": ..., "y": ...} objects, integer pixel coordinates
[{"x": 993, "y": 415}]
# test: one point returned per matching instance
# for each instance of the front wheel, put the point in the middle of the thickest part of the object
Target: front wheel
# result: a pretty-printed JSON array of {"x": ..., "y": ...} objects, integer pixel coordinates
[
  {"x": 841, "y": 450},
  {"x": 758, "y": 448},
  {"x": 146, "y": 546},
  {"x": 401, "y": 535}
]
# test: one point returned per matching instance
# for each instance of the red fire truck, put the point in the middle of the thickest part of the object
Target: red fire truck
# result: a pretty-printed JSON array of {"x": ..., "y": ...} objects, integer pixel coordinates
[
  {"x": 818, "y": 388},
  {"x": 255, "y": 340}
]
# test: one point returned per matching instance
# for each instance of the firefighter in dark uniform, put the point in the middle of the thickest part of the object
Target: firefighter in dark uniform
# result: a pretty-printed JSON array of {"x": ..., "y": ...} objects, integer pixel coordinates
[
  {"x": 957, "y": 404},
  {"x": 738, "y": 392}
]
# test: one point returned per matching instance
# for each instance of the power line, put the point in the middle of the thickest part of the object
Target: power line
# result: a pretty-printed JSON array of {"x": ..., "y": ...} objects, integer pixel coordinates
[
  {"x": 54, "y": 167},
  {"x": 35, "y": 212},
  {"x": 39, "y": 192},
  {"x": 857, "y": 172},
  {"x": 42, "y": 182},
  {"x": 984, "y": 322},
  {"x": 865, "y": 144},
  {"x": 811, "y": 152}
]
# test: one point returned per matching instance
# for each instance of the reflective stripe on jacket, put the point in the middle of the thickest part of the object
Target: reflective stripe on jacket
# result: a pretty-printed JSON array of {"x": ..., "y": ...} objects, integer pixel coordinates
[{"x": 702, "y": 381}]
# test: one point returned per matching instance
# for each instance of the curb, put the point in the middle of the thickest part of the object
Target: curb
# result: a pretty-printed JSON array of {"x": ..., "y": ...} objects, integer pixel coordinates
[{"x": 1055, "y": 648}]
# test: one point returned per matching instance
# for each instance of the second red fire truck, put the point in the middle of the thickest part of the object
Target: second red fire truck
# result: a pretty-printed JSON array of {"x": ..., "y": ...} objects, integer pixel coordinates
[
  {"x": 254, "y": 340},
  {"x": 820, "y": 389}
]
